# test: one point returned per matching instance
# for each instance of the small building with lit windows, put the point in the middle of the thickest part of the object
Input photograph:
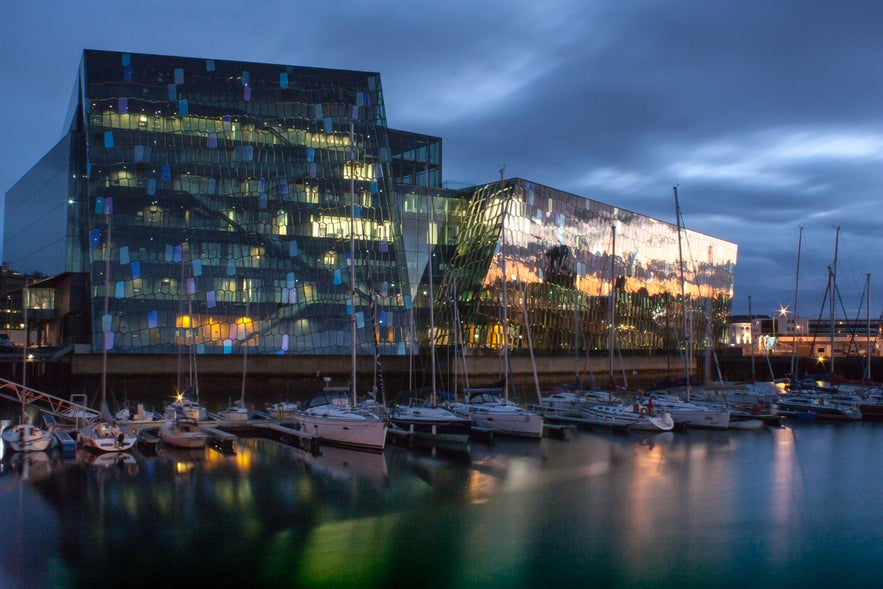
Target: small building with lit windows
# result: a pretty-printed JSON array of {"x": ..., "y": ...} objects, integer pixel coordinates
[{"x": 210, "y": 204}]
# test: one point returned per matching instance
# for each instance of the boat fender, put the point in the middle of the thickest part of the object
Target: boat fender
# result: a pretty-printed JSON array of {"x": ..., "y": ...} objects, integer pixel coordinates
[{"x": 643, "y": 411}]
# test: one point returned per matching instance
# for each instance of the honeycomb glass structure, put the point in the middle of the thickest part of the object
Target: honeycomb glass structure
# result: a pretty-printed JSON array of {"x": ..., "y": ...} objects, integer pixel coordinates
[{"x": 219, "y": 199}]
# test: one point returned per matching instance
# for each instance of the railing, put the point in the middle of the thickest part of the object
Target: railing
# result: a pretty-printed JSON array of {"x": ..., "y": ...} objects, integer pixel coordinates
[{"x": 47, "y": 403}]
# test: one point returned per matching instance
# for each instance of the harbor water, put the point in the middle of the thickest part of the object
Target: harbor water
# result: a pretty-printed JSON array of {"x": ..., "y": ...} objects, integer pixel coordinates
[{"x": 795, "y": 506}]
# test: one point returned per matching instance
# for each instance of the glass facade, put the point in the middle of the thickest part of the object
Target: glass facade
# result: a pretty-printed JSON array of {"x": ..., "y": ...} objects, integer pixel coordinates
[
  {"x": 567, "y": 261},
  {"x": 210, "y": 203},
  {"x": 218, "y": 198}
]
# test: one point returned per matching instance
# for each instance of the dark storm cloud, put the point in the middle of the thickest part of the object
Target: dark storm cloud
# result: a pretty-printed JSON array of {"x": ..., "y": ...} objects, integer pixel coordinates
[{"x": 767, "y": 115}]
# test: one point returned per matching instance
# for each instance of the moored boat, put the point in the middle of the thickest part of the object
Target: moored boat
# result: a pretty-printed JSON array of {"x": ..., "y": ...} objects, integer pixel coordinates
[
  {"x": 183, "y": 432},
  {"x": 331, "y": 416}
]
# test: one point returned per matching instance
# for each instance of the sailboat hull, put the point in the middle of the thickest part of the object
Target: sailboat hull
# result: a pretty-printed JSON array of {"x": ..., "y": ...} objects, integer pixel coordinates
[
  {"x": 432, "y": 424},
  {"x": 27, "y": 438},
  {"x": 352, "y": 431}
]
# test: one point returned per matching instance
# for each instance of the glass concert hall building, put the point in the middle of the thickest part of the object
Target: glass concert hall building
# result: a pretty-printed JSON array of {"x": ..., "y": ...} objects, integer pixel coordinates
[{"x": 212, "y": 203}]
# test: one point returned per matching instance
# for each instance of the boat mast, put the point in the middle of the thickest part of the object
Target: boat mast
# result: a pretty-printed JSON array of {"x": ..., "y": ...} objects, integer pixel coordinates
[
  {"x": 834, "y": 293},
  {"x": 687, "y": 350},
  {"x": 430, "y": 214},
  {"x": 25, "y": 299},
  {"x": 751, "y": 335},
  {"x": 352, "y": 262},
  {"x": 868, "y": 354},
  {"x": 794, "y": 331},
  {"x": 245, "y": 324},
  {"x": 505, "y": 279},
  {"x": 106, "y": 323},
  {"x": 611, "y": 313}
]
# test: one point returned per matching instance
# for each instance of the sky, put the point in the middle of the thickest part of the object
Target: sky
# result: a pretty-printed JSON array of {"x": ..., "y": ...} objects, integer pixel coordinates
[{"x": 767, "y": 115}]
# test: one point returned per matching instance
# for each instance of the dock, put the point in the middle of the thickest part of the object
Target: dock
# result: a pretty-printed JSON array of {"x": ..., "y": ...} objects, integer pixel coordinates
[
  {"x": 288, "y": 435},
  {"x": 222, "y": 441}
]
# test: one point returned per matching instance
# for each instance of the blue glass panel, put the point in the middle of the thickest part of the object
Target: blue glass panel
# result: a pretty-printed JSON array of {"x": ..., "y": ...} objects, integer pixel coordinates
[
  {"x": 127, "y": 73},
  {"x": 407, "y": 299},
  {"x": 355, "y": 115},
  {"x": 139, "y": 153},
  {"x": 166, "y": 172},
  {"x": 172, "y": 92},
  {"x": 311, "y": 154},
  {"x": 183, "y": 107},
  {"x": 108, "y": 340},
  {"x": 99, "y": 205},
  {"x": 211, "y": 300},
  {"x": 246, "y": 93},
  {"x": 357, "y": 212},
  {"x": 108, "y": 139},
  {"x": 179, "y": 75},
  {"x": 136, "y": 269},
  {"x": 209, "y": 65},
  {"x": 231, "y": 268},
  {"x": 94, "y": 238},
  {"x": 108, "y": 206},
  {"x": 152, "y": 319},
  {"x": 283, "y": 186},
  {"x": 191, "y": 286},
  {"x": 373, "y": 187},
  {"x": 212, "y": 186},
  {"x": 338, "y": 279},
  {"x": 106, "y": 322},
  {"x": 400, "y": 350},
  {"x": 262, "y": 185},
  {"x": 378, "y": 171},
  {"x": 246, "y": 77},
  {"x": 313, "y": 170},
  {"x": 283, "y": 80},
  {"x": 289, "y": 280},
  {"x": 384, "y": 154},
  {"x": 381, "y": 317},
  {"x": 292, "y": 248},
  {"x": 177, "y": 256},
  {"x": 213, "y": 141},
  {"x": 319, "y": 114},
  {"x": 120, "y": 291},
  {"x": 197, "y": 267},
  {"x": 151, "y": 186},
  {"x": 126, "y": 59},
  {"x": 285, "y": 342},
  {"x": 228, "y": 346},
  {"x": 123, "y": 105},
  {"x": 349, "y": 307},
  {"x": 124, "y": 255},
  {"x": 384, "y": 247},
  {"x": 360, "y": 319}
]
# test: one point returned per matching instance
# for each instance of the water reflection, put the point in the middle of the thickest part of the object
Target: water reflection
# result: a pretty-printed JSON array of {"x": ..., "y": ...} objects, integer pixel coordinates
[{"x": 698, "y": 508}]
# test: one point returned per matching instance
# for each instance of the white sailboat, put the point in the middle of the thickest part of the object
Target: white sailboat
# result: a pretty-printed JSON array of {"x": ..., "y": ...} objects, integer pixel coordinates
[
  {"x": 238, "y": 411},
  {"x": 186, "y": 401},
  {"x": 183, "y": 432},
  {"x": 488, "y": 408},
  {"x": 103, "y": 434},
  {"x": 425, "y": 419},
  {"x": 331, "y": 415}
]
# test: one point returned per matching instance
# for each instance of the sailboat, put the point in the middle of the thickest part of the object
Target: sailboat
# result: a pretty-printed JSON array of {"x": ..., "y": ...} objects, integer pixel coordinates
[
  {"x": 330, "y": 414},
  {"x": 238, "y": 411},
  {"x": 683, "y": 410},
  {"x": 103, "y": 434},
  {"x": 613, "y": 412},
  {"x": 425, "y": 419},
  {"x": 25, "y": 436},
  {"x": 489, "y": 409},
  {"x": 186, "y": 403}
]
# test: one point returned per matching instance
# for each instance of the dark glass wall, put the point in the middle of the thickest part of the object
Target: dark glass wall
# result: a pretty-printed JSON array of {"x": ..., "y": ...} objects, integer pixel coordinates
[
  {"x": 37, "y": 210},
  {"x": 219, "y": 209}
]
